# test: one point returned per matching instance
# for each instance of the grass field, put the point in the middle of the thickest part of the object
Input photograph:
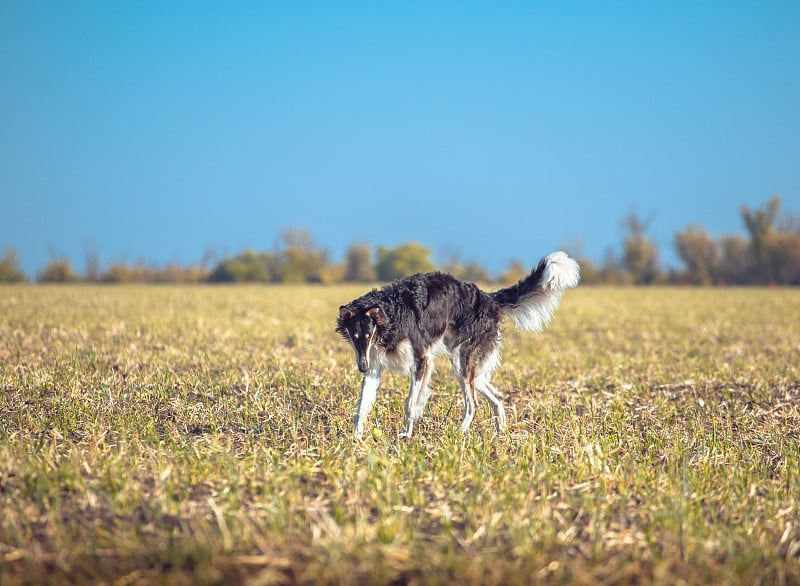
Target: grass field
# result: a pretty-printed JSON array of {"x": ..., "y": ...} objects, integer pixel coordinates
[{"x": 203, "y": 435}]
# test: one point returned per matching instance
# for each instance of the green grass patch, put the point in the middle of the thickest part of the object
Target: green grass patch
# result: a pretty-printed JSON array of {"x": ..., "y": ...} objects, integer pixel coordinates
[{"x": 203, "y": 435}]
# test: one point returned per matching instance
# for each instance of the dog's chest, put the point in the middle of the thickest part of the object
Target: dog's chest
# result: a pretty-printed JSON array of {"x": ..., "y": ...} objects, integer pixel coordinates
[{"x": 399, "y": 360}]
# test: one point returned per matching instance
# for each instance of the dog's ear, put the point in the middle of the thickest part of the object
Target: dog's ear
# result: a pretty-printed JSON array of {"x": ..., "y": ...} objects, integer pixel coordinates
[
  {"x": 346, "y": 312},
  {"x": 377, "y": 315}
]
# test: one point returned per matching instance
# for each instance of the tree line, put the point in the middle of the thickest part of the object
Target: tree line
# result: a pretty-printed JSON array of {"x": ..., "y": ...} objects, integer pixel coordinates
[{"x": 769, "y": 253}]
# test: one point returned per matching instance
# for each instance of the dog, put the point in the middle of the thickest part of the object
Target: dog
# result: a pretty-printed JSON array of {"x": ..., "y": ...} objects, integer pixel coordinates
[{"x": 402, "y": 327}]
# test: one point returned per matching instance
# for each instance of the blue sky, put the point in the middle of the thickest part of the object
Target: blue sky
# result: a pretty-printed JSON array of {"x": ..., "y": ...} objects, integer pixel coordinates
[{"x": 497, "y": 130}]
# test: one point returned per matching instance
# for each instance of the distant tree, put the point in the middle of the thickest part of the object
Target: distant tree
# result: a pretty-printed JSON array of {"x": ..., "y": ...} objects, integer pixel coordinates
[
  {"x": 121, "y": 273},
  {"x": 141, "y": 272},
  {"x": 10, "y": 271},
  {"x": 118, "y": 273},
  {"x": 736, "y": 265},
  {"x": 590, "y": 275},
  {"x": 515, "y": 272},
  {"x": 332, "y": 273},
  {"x": 195, "y": 274},
  {"x": 246, "y": 267},
  {"x": 402, "y": 261},
  {"x": 58, "y": 271},
  {"x": 782, "y": 253},
  {"x": 473, "y": 272},
  {"x": 358, "y": 264},
  {"x": 699, "y": 253},
  {"x": 759, "y": 224},
  {"x": 470, "y": 271},
  {"x": 640, "y": 254},
  {"x": 611, "y": 271},
  {"x": 175, "y": 273},
  {"x": 293, "y": 266},
  {"x": 300, "y": 261},
  {"x": 782, "y": 249}
]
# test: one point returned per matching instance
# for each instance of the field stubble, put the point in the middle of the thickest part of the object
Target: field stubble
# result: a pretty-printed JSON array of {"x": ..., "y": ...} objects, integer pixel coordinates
[{"x": 203, "y": 435}]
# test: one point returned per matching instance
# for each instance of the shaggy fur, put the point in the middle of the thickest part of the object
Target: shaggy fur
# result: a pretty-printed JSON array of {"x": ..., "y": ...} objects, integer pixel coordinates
[{"x": 403, "y": 326}]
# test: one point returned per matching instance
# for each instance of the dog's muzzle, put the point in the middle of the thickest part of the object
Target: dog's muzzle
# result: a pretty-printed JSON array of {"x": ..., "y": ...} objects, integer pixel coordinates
[
  {"x": 362, "y": 357},
  {"x": 363, "y": 363}
]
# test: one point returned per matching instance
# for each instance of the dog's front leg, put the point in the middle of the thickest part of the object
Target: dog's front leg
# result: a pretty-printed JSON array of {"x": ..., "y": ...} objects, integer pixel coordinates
[
  {"x": 411, "y": 401},
  {"x": 369, "y": 389},
  {"x": 418, "y": 395}
]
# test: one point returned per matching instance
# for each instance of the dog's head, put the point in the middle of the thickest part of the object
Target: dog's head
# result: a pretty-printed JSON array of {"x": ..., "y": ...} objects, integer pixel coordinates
[{"x": 361, "y": 329}]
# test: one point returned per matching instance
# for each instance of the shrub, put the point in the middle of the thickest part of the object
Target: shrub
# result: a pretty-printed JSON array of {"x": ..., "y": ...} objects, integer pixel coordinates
[{"x": 10, "y": 271}]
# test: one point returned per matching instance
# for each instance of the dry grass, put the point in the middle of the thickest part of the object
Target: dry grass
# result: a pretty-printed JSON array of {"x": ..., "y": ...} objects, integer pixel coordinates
[{"x": 203, "y": 435}]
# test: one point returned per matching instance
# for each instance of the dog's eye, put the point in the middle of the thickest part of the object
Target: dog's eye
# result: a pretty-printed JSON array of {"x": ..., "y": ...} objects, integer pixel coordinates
[
  {"x": 366, "y": 336},
  {"x": 355, "y": 336}
]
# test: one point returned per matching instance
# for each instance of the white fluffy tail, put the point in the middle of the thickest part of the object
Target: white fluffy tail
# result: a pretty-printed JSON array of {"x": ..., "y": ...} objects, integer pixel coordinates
[{"x": 533, "y": 300}]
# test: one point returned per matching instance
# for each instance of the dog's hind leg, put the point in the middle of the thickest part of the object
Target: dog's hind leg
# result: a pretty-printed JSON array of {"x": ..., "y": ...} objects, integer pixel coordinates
[
  {"x": 424, "y": 392},
  {"x": 418, "y": 394},
  {"x": 369, "y": 388},
  {"x": 466, "y": 377},
  {"x": 468, "y": 388},
  {"x": 473, "y": 367},
  {"x": 488, "y": 390}
]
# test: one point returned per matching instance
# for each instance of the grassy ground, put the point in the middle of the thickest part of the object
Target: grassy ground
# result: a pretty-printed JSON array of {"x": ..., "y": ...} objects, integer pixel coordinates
[{"x": 203, "y": 435}]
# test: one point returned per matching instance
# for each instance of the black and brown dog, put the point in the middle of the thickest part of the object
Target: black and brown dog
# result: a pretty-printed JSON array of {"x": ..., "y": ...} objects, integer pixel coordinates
[{"x": 402, "y": 327}]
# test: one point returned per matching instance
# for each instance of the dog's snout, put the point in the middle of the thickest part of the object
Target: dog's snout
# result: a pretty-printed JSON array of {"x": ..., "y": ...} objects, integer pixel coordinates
[{"x": 363, "y": 364}]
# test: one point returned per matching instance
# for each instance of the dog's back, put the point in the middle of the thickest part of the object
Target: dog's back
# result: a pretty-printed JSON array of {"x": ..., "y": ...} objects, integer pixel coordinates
[{"x": 425, "y": 307}]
